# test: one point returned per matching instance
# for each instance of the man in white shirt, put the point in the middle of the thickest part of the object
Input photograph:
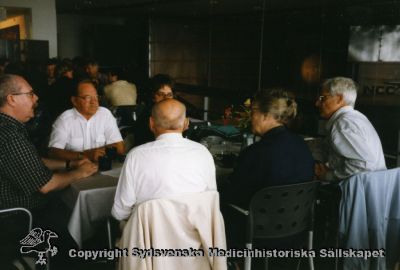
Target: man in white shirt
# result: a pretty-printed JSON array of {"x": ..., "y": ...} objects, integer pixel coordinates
[
  {"x": 85, "y": 130},
  {"x": 354, "y": 145},
  {"x": 168, "y": 166}
]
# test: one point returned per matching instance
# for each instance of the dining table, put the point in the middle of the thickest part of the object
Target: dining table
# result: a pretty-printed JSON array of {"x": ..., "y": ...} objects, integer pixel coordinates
[{"x": 90, "y": 199}]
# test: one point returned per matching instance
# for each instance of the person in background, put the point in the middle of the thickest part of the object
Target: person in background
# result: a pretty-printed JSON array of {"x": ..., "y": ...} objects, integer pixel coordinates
[
  {"x": 183, "y": 166},
  {"x": 279, "y": 158},
  {"x": 120, "y": 92},
  {"x": 26, "y": 179},
  {"x": 3, "y": 64},
  {"x": 51, "y": 71},
  {"x": 59, "y": 96},
  {"x": 98, "y": 79},
  {"x": 354, "y": 145},
  {"x": 121, "y": 96},
  {"x": 160, "y": 88},
  {"x": 85, "y": 130}
]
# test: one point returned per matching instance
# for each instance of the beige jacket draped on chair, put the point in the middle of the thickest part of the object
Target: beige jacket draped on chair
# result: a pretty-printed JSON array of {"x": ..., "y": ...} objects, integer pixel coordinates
[{"x": 188, "y": 222}]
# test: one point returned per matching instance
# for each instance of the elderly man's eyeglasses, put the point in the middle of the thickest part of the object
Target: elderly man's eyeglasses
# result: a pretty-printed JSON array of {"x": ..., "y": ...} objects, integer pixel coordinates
[
  {"x": 165, "y": 95},
  {"x": 89, "y": 98},
  {"x": 323, "y": 97},
  {"x": 30, "y": 93}
]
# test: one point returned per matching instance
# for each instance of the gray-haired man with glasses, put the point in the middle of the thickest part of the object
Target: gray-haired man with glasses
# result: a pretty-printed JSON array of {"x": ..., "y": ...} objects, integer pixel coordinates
[
  {"x": 85, "y": 130},
  {"x": 354, "y": 145}
]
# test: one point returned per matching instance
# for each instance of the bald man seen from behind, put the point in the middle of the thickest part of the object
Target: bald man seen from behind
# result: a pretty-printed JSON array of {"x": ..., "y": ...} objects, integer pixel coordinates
[{"x": 170, "y": 165}]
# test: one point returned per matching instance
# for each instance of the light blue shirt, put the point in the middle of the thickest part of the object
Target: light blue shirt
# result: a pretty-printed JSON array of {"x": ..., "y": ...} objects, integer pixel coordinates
[
  {"x": 369, "y": 218},
  {"x": 354, "y": 145}
]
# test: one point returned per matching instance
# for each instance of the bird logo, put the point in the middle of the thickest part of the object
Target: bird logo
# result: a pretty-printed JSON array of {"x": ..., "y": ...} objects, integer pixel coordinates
[{"x": 38, "y": 241}]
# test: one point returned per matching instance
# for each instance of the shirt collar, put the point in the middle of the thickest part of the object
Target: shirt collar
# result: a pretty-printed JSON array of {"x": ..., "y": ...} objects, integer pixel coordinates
[
  {"x": 170, "y": 136},
  {"x": 274, "y": 131},
  {"x": 79, "y": 115},
  {"x": 12, "y": 120},
  {"x": 336, "y": 115}
]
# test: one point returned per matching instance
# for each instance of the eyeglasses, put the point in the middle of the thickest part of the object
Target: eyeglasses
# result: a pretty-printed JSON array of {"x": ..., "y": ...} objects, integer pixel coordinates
[
  {"x": 323, "y": 97},
  {"x": 165, "y": 95},
  {"x": 89, "y": 98},
  {"x": 30, "y": 93}
]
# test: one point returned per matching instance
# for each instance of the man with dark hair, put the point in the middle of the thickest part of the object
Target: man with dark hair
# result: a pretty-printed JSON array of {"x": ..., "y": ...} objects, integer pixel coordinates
[
  {"x": 160, "y": 87},
  {"x": 182, "y": 165},
  {"x": 92, "y": 71},
  {"x": 85, "y": 130},
  {"x": 51, "y": 71}
]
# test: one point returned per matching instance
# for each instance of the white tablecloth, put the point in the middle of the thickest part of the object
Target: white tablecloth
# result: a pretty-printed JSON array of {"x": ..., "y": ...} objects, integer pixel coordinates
[{"x": 90, "y": 200}]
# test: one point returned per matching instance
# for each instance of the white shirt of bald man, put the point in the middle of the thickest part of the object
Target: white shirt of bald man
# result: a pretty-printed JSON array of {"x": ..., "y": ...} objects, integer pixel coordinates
[{"x": 170, "y": 165}]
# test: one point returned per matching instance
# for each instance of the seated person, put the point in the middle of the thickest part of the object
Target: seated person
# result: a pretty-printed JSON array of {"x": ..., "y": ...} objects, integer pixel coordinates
[
  {"x": 279, "y": 158},
  {"x": 161, "y": 87},
  {"x": 85, "y": 130},
  {"x": 354, "y": 144},
  {"x": 26, "y": 179},
  {"x": 171, "y": 165},
  {"x": 120, "y": 92},
  {"x": 121, "y": 97},
  {"x": 93, "y": 74},
  {"x": 58, "y": 99}
]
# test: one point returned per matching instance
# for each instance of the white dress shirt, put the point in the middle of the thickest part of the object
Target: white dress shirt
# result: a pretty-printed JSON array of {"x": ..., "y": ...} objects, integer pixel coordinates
[
  {"x": 168, "y": 166},
  {"x": 354, "y": 145},
  {"x": 72, "y": 131}
]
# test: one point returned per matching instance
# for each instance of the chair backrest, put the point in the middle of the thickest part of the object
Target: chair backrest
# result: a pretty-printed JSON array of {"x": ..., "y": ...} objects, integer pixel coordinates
[
  {"x": 282, "y": 211},
  {"x": 191, "y": 220},
  {"x": 16, "y": 210},
  {"x": 127, "y": 115},
  {"x": 15, "y": 224},
  {"x": 369, "y": 215}
]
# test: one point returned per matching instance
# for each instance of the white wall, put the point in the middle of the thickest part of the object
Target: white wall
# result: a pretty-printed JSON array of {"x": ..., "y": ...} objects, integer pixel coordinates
[{"x": 44, "y": 20}]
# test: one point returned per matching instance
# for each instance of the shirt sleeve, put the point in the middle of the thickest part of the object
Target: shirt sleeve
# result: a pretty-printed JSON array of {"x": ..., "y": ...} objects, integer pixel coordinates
[
  {"x": 24, "y": 166},
  {"x": 59, "y": 134},
  {"x": 111, "y": 132},
  {"x": 125, "y": 196},
  {"x": 354, "y": 149}
]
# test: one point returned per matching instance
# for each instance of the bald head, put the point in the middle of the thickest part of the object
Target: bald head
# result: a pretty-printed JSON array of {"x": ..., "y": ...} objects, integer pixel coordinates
[{"x": 168, "y": 115}]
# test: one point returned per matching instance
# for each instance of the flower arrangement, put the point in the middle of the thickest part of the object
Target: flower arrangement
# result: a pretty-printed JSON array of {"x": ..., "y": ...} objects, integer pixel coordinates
[{"x": 239, "y": 116}]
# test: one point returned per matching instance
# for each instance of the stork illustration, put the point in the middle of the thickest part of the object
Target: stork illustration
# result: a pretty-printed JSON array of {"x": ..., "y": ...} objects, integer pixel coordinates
[{"x": 39, "y": 241}]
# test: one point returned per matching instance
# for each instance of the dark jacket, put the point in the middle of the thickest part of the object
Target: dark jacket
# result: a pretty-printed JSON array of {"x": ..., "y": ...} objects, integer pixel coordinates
[{"x": 279, "y": 158}]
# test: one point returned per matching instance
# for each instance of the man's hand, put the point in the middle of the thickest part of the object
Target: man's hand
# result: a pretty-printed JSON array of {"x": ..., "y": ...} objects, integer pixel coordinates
[
  {"x": 87, "y": 168},
  {"x": 73, "y": 164},
  {"x": 94, "y": 154},
  {"x": 320, "y": 170}
]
